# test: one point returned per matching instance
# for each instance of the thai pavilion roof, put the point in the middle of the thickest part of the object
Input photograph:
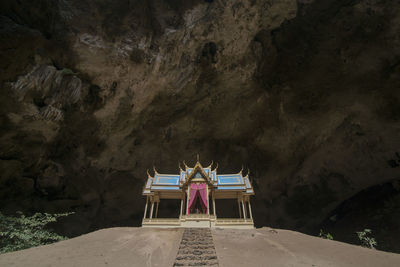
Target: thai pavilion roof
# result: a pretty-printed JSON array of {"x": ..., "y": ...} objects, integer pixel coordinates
[{"x": 178, "y": 182}]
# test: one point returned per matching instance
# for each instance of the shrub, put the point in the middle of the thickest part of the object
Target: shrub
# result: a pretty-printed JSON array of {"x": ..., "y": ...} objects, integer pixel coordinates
[
  {"x": 325, "y": 235},
  {"x": 21, "y": 232},
  {"x": 367, "y": 240}
]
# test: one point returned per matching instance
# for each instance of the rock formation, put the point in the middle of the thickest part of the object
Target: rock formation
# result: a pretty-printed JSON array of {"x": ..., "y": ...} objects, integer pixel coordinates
[{"x": 304, "y": 93}]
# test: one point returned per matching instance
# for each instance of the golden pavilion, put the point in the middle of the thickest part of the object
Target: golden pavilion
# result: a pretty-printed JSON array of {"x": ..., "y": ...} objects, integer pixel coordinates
[{"x": 198, "y": 188}]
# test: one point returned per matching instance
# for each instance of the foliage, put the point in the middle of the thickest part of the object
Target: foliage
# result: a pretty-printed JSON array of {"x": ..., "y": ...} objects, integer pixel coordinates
[
  {"x": 366, "y": 239},
  {"x": 21, "y": 232},
  {"x": 325, "y": 235}
]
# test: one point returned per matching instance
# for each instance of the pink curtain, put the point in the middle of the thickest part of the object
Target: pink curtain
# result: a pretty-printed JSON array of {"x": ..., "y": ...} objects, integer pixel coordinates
[
  {"x": 193, "y": 191},
  {"x": 200, "y": 190},
  {"x": 203, "y": 195}
]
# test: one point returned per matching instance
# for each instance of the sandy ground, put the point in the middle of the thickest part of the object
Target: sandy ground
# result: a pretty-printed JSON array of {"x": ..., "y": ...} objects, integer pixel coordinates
[
  {"x": 269, "y": 247},
  {"x": 107, "y": 247},
  {"x": 158, "y": 247}
]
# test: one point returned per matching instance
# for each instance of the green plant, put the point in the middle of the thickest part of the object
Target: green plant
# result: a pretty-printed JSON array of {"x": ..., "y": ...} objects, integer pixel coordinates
[
  {"x": 367, "y": 240},
  {"x": 21, "y": 232},
  {"x": 325, "y": 235}
]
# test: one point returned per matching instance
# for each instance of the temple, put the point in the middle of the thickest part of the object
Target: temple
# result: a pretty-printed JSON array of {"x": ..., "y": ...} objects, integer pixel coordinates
[{"x": 198, "y": 188}]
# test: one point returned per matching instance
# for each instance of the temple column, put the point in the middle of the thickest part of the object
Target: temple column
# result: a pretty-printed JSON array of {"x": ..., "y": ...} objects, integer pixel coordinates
[
  {"x": 151, "y": 209},
  {"x": 244, "y": 211},
  {"x": 180, "y": 211},
  {"x": 208, "y": 201},
  {"x": 215, "y": 213},
  {"x": 187, "y": 200},
  {"x": 158, "y": 202},
  {"x": 240, "y": 210},
  {"x": 251, "y": 215},
  {"x": 145, "y": 207}
]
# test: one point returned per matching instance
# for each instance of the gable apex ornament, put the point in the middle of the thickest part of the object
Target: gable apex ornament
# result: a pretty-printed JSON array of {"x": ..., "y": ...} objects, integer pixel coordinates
[{"x": 198, "y": 169}]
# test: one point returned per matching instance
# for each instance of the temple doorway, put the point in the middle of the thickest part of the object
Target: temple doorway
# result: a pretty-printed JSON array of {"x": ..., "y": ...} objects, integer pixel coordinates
[
  {"x": 198, "y": 201},
  {"x": 198, "y": 206}
]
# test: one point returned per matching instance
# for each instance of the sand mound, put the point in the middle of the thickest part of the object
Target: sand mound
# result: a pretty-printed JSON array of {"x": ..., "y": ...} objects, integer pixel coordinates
[{"x": 158, "y": 247}]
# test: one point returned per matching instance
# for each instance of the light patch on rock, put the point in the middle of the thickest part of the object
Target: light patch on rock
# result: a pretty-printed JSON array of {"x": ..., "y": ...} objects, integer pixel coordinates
[
  {"x": 51, "y": 113},
  {"x": 65, "y": 9},
  {"x": 195, "y": 15},
  {"x": 47, "y": 90},
  {"x": 92, "y": 41}
]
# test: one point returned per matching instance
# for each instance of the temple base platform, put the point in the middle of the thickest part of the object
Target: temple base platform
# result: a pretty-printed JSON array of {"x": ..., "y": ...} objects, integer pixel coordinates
[{"x": 199, "y": 221}]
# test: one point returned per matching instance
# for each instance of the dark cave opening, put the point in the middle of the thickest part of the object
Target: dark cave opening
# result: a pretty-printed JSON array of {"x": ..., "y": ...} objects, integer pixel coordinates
[{"x": 376, "y": 208}]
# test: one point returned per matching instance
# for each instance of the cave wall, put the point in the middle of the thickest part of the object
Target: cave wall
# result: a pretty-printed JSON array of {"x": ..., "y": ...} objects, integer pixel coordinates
[{"x": 93, "y": 93}]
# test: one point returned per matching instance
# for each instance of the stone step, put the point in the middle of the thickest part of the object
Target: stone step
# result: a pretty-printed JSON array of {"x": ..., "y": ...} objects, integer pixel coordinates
[
  {"x": 196, "y": 263},
  {"x": 196, "y": 252},
  {"x": 198, "y": 240},
  {"x": 208, "y": 264},
  {"x": 197, "y": 257},
  {"x": 196, "y": 248},
  {"x": 195, "y": 243},
  {"x": 202, "y": 238}
]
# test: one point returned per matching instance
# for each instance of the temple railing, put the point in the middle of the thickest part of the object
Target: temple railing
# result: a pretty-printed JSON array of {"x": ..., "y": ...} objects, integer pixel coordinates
[
  {"x": 161, "y": 221},
  {"x": 198, "y": 216},
  {"x": 233, "y": 221},
  {"x": 176, "y": 222}
]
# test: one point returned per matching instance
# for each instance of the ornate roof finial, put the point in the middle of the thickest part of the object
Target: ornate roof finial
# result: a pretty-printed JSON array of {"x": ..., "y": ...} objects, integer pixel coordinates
[
  {"x": 241, "y": 170},
  {"x": 216, "y": 167},
  {"x": 198, "y": 158},
  {"x": 155, "y": 171},
  {"x": 210, "y": 166},
  {"x": 186, "y": 166},
  {"x": 179, "y": 165},
  {"x": 148, "y": 174}
]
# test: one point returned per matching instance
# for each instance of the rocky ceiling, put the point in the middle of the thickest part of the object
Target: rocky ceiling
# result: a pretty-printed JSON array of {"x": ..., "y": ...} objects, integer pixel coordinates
[{"x": 304, "y": 93}]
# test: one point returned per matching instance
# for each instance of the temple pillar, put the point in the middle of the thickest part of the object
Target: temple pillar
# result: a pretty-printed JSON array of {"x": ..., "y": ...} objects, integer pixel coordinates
[
  {"x": 145, "y": 207},
  {"x": 215, "y": 213},
  {"x": 158, "y": 202},
  {"x": 208, "y": 201},
  {"x": 180, "y": 211},
  {"x": 244, "y": 211},
  {"x": 151, "y": 209},
  {"x": 240, "y": 210},
  {"x": 187, "y": 199},
  {"x": 251, "y": 215}
]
